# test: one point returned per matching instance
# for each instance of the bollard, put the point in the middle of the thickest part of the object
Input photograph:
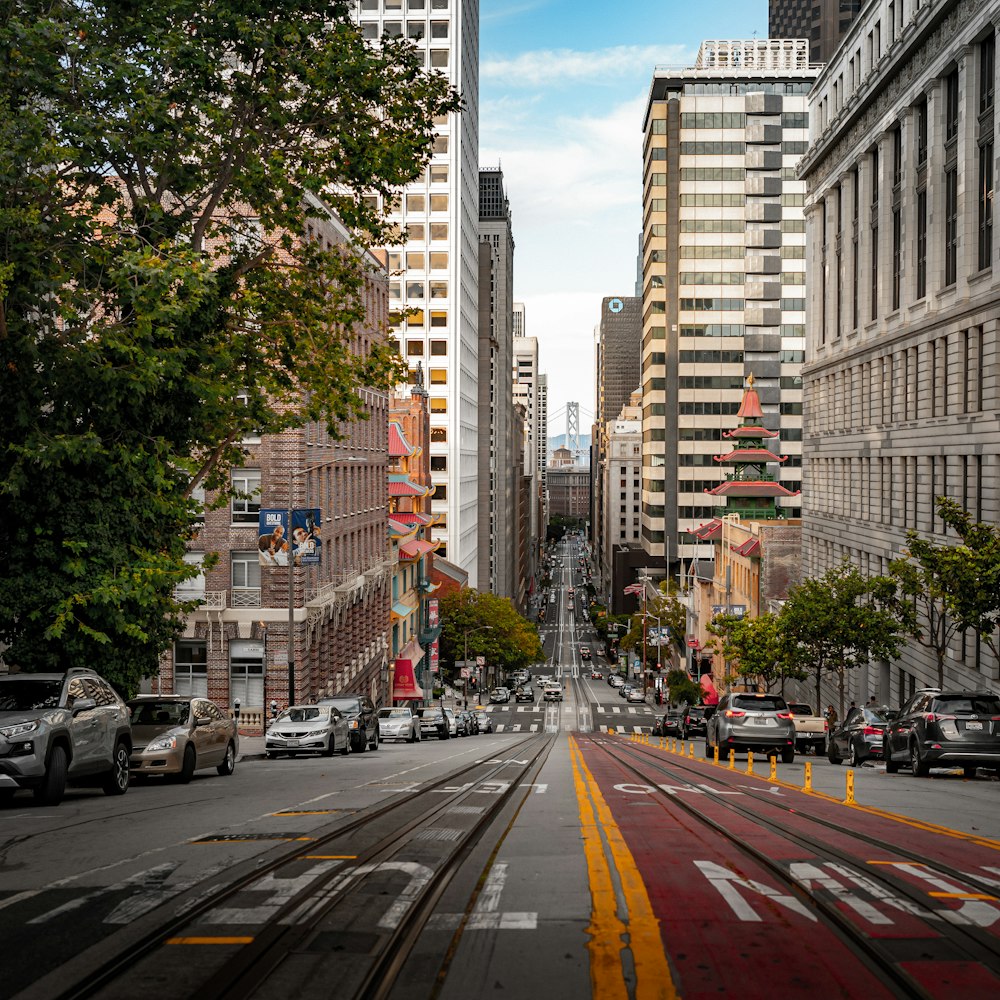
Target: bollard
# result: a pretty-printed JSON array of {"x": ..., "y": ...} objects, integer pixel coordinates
[
  {"x": 715, "y": 750},
  {"x": 749, "y": 769},
  {"x": 732, "y": 760},
  {"x": 849, "y": 800},
  {"x": 690, "y": 749},
  {"x": 807, "y": 781},
  {"x": 774, "y": 769}
]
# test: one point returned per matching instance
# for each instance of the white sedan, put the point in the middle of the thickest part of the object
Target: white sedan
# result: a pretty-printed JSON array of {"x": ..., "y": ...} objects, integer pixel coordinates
[
  {"x": 635, "y": 695},
  {"x": 398, "y": 724}
]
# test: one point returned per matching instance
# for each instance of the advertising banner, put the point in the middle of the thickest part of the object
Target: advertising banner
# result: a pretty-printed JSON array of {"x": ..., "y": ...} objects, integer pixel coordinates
[
  {"x": 272, "y": 537},
  {"x": 306, "y": 543},
  {"x": 432, "y": 612},
  {"x": 434, "y": 656}
]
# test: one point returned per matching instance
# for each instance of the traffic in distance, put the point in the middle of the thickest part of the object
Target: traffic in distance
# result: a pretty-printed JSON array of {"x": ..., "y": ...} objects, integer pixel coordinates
[{"x": 565, "y": 835}]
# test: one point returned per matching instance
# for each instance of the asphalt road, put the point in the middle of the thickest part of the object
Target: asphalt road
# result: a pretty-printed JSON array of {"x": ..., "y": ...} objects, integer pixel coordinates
[{"x": 551, "y": 858}]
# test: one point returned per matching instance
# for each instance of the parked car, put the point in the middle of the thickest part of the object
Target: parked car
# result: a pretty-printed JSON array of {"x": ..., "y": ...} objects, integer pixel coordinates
[
  {"x": 484, "y": 721},
  {"x": 670, "y": 723},
  {"x": 860, "y": 736},
  {"x": 398, "y": 723},
  {"x": 178, "y": 735},
  {"x": 624, "y": 688},
  {"x": 584, "y": 652},
  {"x": 811, "y": 730},
  {"x": 553, "y": 692},
  {"x": 748, "y": 721},
  {"x": 308, "y": 729},
  {"x": 433, "y": 722},
  {"x": 524, "y": 693},
  {"x": 362, "y": 719},
  {"x": 452, "y": 718},
  {"x": 499, "y": 696},
  {"x": 62, "y": 728},
  {"x": 945, "y": 729},
  {"x": 636, "y": 695},
  {"x": 615, "y": 680},
  {"x": 694, "y": 721}
]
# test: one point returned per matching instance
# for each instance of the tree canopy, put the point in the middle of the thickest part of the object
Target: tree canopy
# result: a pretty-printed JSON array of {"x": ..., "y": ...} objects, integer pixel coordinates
[
  {"x": 160, "y": 299},
  {"x": 757, "y": 650}
]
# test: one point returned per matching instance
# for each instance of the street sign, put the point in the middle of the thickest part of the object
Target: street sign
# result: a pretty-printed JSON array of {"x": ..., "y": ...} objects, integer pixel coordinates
[{"x": 480, "y": 661}]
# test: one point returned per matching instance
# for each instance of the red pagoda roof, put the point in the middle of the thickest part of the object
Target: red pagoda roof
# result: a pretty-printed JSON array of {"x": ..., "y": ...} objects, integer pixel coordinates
[
  {"x": 751, "y": 455},
  {"x": 706, "y": 532},
  {"x": 750, "y": 407},
  {"x": 416, "y": 547},
  {"x": 401, "y": 486},
  {"x": 751, "y": 488},
  {"x": 751, "y": 547},
  {"x": 399, "y": 447},
  {"x": 750, "y": 432},
  {"x": 412, "y": 518}
]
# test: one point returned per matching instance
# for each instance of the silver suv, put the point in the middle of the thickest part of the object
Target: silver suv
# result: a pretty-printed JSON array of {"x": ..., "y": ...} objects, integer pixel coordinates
[
  {"x": 748, "y": 721},
  {"x": 62, "y": 728}
]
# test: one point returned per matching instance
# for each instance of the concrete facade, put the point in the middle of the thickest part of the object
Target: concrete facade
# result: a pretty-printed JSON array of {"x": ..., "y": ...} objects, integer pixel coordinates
[
  {"x": 823, "y": 22},
  {"x": 902, "y": 385}
]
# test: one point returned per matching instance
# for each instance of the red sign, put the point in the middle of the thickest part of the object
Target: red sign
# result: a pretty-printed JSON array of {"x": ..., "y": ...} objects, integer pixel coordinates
[
  {"x": 434, "y": 656},
  {"x": 432, "y": 612},
  {"x": 404, "y": 683}
]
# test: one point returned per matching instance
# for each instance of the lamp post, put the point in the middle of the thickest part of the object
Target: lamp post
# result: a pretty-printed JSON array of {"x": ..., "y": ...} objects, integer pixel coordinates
[{"x": 465, "y": 658}]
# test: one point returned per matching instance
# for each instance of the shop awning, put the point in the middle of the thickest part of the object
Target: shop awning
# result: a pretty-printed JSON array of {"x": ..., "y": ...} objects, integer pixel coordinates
[
  {"x": 711, "y": 696},
  {"x": 404, "y": 682}
]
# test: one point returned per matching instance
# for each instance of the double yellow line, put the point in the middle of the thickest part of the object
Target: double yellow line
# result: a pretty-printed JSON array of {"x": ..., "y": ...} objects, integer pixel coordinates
[{"x": 616, "y": 931}]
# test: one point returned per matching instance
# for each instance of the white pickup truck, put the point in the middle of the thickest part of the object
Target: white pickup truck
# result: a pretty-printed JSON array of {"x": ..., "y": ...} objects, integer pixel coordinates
[{"x": 810, "y": 729}]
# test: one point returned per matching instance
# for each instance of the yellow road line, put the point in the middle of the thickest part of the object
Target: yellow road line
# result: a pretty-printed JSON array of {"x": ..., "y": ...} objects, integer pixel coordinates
[
  {"x": 961, "y": 895},
  {"x": 653, "y": 978},
  {"x": 210, "y": 940}
]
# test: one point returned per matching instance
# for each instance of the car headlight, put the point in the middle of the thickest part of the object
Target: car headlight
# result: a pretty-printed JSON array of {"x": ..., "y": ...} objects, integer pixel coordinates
[
  {"x": 21, "y": 729},
  {"x": 163, "y": 743},
  {"x": 352, "y": 724}
]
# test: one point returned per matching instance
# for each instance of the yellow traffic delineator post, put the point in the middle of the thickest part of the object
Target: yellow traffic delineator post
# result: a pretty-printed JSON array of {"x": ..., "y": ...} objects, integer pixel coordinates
[
  {"x": 849, "y": 800},
  {"x": 715, "y": 750},
  {"x": 807, "y": 780},
  {"x": 690, "y": 749},
  {"x": 732, "y": 760},
  {"x": 749, "y": 769},
  {"x": 774, "y": 769}
]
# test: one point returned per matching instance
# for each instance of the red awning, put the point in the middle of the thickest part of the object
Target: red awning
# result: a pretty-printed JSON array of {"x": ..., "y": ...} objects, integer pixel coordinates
[
  {"x": 711, "y": 696},
  {"x": 404, "y": 682}
]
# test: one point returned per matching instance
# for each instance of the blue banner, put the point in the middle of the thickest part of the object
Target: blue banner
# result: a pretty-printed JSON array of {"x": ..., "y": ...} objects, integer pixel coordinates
[{"x": 307, "y": 546}]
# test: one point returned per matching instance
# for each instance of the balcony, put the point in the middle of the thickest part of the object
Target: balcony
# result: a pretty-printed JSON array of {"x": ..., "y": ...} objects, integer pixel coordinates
[
  {"x": 764, "y": 290},
  {"x": 763, "y": 211},
  {"x": 763, "y": 132},
  {"x": 763, "y": 239},
  {"x": 246, "y": 597},
  {"x": 763, "y": 186},
  {"x": 755, "y": 315},
  {"x": 759, "y": 158},
  {"x": 759, "y": 263}
]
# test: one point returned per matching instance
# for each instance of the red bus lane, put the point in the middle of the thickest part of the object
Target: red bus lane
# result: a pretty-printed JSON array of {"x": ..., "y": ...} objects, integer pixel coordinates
[{"x": 766, "y": 891}]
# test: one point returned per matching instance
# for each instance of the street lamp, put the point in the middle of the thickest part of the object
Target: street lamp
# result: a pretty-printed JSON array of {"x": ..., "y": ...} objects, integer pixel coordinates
[{"x": 465, "y": 659}]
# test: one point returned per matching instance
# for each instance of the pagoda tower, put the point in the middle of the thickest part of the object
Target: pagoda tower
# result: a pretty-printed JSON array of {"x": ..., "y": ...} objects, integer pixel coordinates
[{"x": 750, "y": 490}]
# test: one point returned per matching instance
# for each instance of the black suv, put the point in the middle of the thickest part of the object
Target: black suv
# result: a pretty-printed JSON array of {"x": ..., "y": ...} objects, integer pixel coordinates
[
  {"x": 945, "y": 729},
  {"x": 362, "y": 719},
  {"x": 62, "y": 728},
  {"x": 695, "y": 722}
]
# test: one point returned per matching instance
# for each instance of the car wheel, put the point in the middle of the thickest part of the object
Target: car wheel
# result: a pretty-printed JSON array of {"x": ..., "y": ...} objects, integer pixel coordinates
[
  {"x": 709, "y": 753},
  {"x": 891, "y": 766},
  {"x": 190, "y": 763},
  {"x": 374, "y": 743},
  {"x": 331, "y": 746},
  {"x": 917, "y": 764},
  {"x": 362, "y": 745},
  {"x": 347, "y": 748},
  {"x": 852, "y": 755},
  {"x": 50, "y": 791},
  {"x": 117, "y": 779},
  {"x": 228, "y": 764},
  {"x": 788, "y": 755},
  {"x": 969, "y": 771},
  {"x": 833, "y": 756},
  {"x": 270, "y": 755},
  {"x": 6, "y": 794}
]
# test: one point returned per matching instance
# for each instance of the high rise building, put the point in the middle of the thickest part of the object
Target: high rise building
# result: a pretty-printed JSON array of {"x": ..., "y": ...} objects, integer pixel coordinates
[
  {"x": 519, "y": 319},
  {"x": 620, "y": 512},
  {"x": 542, "y": 449},
  {"x": 527, "y": 394},
  {"x": 433, "y": 271},
  {"x": 723, "y": 274},
  {"x": 903, "y": 356},
  {"x": 823, "y": 22},
  {"x": 498, "y": 488}
]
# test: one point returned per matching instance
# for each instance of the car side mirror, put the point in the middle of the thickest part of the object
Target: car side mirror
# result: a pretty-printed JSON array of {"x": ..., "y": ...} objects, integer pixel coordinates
[
  {"x": 83, "y": 705},
  {"x": 201, "y": 722}
]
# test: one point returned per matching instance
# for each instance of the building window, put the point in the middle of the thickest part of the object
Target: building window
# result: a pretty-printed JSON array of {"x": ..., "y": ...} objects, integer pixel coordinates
[
  {"x": 191, "y": 668},
  {"x": 439, "y": 376},
  {"x": 951, "y": 106},
  {"x": 921, "y": 243},
  {"x": 439, "y": 173},
  {"x": 245, "y": 576},
  {"x": 439, "y": 289},
  {"x": 439, "y": 260},
  {"x": 246, "y": 496},
  {"x": 439, "y": 348},
  {"x": 951, "y": 226},
  {"x": 439, "y": 435},
  {"x": 921, "y": 133},
  {"x": 987, "y": 73},
  {"x": 855, "y": 271},
  {"x": 246, "y": 672},
  {"x": 439, "y": 463},
  {"x": 985, "y": 200},
  {"x": 439, "y": 404}
]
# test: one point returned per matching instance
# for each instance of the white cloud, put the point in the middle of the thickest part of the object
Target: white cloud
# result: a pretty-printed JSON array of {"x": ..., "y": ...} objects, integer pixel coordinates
[{"x": 555, "y": 66}]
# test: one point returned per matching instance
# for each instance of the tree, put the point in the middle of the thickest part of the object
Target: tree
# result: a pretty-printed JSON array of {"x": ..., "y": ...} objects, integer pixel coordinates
[
  {"x": 681, "y": 690},
  {"x": 159, "y": 299},
  {"x": 840, "y": 621},
  {"x": 509, "y": 643},
  {"x": 758, "y": 648},
  {"x": 952, "y": 587}
]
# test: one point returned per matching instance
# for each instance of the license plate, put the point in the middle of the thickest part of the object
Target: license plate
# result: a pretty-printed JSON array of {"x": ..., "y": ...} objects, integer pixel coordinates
[
  {"x": 292, "y": 743},
  {"x": 974, "y": 725},
  {"x": 762, "y": 722}
]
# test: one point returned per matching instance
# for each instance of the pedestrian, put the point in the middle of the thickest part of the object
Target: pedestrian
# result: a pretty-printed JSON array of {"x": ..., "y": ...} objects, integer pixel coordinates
[
  {"x": 872, "y": 703},
  {"x": 853, "y": 706},
  {"x": 831, "y": 717}
]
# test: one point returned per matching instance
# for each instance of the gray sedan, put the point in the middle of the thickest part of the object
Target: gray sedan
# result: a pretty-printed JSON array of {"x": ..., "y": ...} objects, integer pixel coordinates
[
  {"x": 308, "y": 729},
  {"x": 398, "y": 724}
]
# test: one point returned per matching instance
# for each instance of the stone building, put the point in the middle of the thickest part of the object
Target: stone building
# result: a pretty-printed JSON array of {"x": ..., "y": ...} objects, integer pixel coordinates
[{"x": 902, "y": 384}]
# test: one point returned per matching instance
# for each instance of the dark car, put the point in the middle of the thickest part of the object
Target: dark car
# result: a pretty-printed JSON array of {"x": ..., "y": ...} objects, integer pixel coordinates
[
  {"x": 584, "y": 652},
  {"x": 670, "y": 723},
  {"x": 695, "y": 721},
  {"x": 465, "y": 724},
  {"x": 860, "y": 737},
  {"x": 524, "y": 693},
  {"x": 945, "y": 729},
  {"x": 432, "y": 722},
  {"x": 362, "y": 719}
]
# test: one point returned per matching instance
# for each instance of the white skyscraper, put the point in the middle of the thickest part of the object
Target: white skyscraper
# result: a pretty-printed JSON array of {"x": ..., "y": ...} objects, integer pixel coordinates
[{"x": 434, "y": 270}]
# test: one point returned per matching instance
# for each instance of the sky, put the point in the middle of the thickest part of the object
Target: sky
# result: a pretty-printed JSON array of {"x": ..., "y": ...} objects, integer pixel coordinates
[{"x": 563, "y": 86}]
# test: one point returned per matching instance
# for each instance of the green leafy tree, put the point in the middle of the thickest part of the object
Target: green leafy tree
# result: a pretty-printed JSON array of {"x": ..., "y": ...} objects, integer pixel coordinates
[
  {"x": 159, "y": 299},
  {"x": 510, "y": 641},
  {"x": 757, "y": 649},
  {"x": 840, "y": 621},
  {"x": 681, "y": 690},
  {"x": 952, "y": 587}
]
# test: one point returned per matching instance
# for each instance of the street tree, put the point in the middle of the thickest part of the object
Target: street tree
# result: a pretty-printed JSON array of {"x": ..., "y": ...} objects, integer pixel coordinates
[
  {"x": 953, "y": 587},
  {"x": 681, "y": 690},
  {"x": 757, "y": 650},
  {"x": 492, "y": 627},
  {"x": 840, "y": 621},
  {"x": 161, "y": 299}
]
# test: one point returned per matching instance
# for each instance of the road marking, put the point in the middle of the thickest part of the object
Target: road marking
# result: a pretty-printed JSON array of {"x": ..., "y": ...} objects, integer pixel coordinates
[
  {"x": 210, "y": 940},
  {"x": 604, "y": 847},
  {"x": 726, "y": 882}
]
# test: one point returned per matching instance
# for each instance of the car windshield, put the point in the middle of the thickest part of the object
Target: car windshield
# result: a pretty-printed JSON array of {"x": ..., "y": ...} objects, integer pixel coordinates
[
  {"x": 797, "y": 708},
  {"x": 975, "y": 704},
  {"x": 305, "y": 713},
  {"x": 24, "y": 694},
  {"x": 159, "y": 713},
  {"x": 345, "y": 705},
  {"x": 393, "y": 713},
  {"x": 875, "y": 715},
  {"x": 760, "y": 703}
]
